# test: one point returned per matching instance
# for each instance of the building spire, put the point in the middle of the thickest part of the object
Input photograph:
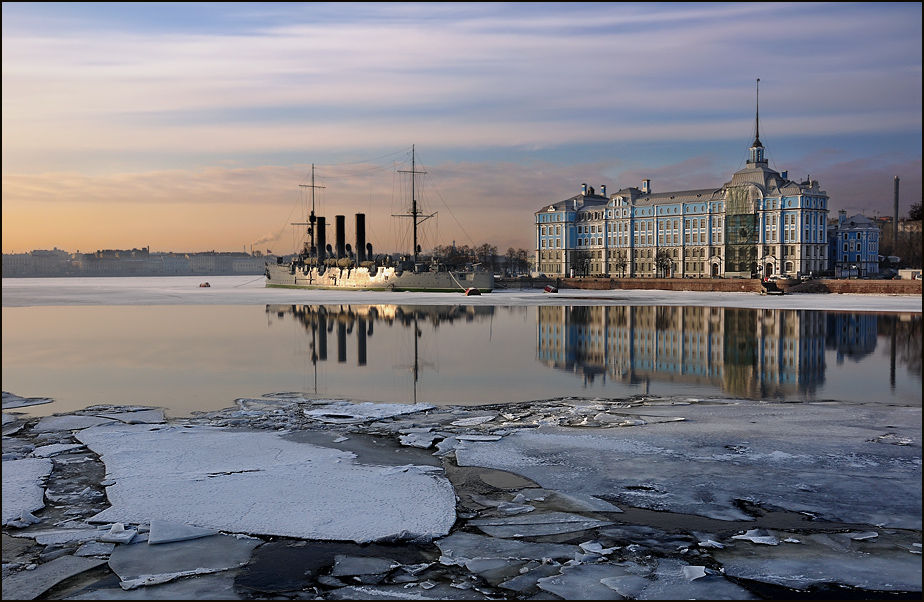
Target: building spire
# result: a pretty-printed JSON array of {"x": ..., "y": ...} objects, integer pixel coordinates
[{"x": 757, "y": 149}]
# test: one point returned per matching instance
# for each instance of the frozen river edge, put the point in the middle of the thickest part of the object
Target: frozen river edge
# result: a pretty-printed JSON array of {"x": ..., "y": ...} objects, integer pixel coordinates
[{"x": 290, "y": 497}]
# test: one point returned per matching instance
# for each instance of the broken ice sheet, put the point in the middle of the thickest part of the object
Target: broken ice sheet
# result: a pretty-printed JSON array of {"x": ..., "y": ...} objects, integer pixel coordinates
[
  {"x": 167, "y": 532},
  {"x": 460, "y": 547},
  {"x": 495, "y": 570},
  {"x": 22, "y": 487},
  {"x": 29, "y": 585},
  {"x": 69, "y": 422},
  {"x": 873, "y": 565},
  {"x": 760, "y": 536},
  {"x": 693, "y": 471},
  {"x": 118, "y": 534},
  {"x": 421, "y": 440},
  {"x": 140, "y": 564},
  {"x": 11, "y": 401},
  {"x": 259, "y": 482},
  {"x": 474, "y": 420},
  {"x": 213, "y": 586},
  {"x": 138, "y": 416},
  {"x": 533, "y": 525},
  {"x": 670, "y": 581},
  {"x": 584, "y": 582},
  {"x": 361, "y": 565},
  {"x": 595, "y": 547},
  {"x": 48, "y": 451},
  {"x": 345, "y": 412},
  {"x": 511, "y": 509}
]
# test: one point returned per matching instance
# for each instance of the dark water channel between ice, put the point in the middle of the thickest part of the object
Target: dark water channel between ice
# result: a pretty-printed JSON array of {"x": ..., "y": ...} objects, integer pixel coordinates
[{"x": 188, "y": 359}]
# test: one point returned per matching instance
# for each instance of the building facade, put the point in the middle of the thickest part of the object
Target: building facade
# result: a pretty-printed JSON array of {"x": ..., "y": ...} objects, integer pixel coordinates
[
  {"x": 854, "y": 247},
  {"x": 759, "y": 223}
]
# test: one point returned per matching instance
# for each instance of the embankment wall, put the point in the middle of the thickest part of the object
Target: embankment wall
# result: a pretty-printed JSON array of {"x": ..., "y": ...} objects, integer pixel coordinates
[{"x": 870, "y": 287}]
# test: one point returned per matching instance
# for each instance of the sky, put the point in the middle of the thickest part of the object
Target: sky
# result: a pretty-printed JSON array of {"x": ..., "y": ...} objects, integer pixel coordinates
[{"x": 194, "y": 127}]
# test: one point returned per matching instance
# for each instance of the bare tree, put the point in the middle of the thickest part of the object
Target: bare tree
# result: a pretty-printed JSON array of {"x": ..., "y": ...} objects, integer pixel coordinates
[
  {"x": 663, "y": 263},
  {"x": 487, "y": 256},
  {"x": 914, "y": 213},
  {"x": 620, "y": 263}
]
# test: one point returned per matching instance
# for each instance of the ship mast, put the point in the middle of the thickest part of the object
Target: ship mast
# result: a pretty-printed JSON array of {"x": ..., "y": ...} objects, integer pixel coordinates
[
  {"x": 311, "y": 217},
  {"x": 414, "y": 210}
]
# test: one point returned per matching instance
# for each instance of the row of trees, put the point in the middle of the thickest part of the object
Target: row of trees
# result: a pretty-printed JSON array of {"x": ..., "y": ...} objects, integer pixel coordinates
[
  {"x": 513, "y": 262},
  {"x": 908, "y": 245}
]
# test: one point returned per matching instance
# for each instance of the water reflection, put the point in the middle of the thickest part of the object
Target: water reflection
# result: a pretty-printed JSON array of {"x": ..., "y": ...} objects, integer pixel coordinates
[
  {"x": 342, "y": 321},
  {"x": 756, "y": 353},
  {"x": 201, "y": 358},
  {"x": 753, "y": 353}
]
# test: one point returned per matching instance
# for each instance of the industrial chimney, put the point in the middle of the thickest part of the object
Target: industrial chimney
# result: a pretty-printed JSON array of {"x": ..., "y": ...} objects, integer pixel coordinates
[{"x": 895, "y": 220}]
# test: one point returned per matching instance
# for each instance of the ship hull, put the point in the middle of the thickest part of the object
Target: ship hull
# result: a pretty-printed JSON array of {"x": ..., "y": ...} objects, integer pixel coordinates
[{"x": 381, "y": 279}]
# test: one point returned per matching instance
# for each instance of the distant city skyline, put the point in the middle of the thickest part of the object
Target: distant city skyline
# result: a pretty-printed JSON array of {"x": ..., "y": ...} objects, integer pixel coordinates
[{"x": 189, "y": 127}]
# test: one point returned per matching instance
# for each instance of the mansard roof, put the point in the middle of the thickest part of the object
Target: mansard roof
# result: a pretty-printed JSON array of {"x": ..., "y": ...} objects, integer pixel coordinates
[
  {"x": 575, "y": 203},
  {"x": 682, "y": 196},
  {"x": 856, "y": 222}
]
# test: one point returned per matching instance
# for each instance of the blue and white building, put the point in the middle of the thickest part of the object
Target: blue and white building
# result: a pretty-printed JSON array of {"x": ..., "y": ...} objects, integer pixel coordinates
[
  {"x": 854, "y": 247},
  {"x": 758, "y": 223}
]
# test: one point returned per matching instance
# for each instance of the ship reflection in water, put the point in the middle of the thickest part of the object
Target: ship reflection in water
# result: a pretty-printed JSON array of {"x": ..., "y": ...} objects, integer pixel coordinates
[
  {"x": 343, "y": 321},
  {"x": 619, "y": 351}
]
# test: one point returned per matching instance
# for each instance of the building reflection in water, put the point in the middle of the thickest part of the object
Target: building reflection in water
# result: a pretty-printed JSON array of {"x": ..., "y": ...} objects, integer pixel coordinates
[{"x": 758, "y": 353}]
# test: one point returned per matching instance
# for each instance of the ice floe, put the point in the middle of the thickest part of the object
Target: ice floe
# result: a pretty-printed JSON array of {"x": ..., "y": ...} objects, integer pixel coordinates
[{"x": 291, "y": 496}]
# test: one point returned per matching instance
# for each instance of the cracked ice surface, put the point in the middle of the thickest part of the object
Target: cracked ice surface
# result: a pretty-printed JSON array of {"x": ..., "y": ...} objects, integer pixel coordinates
[
  {"x": 768, "y": 454},
  {"x": 260, "y": 483},
  {"x": 22, "y": 489}
]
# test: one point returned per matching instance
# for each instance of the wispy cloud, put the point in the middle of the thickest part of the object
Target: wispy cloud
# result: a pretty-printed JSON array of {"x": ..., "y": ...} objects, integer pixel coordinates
[{"x": 175, "y": 90}]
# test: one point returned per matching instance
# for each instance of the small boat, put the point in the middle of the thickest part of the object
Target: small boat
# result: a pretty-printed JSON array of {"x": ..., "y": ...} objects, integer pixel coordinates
[
  {"x": 205, "y": 285},
  {"x": 472, "y": 291},
  {"x": 550, "y": 289},
  {"x": 769, "y": 287}
]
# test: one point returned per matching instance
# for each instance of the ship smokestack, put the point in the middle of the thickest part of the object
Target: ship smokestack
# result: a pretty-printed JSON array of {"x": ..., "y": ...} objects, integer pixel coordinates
[
  {"x": 341, "y": 235},
  {"x": 341, "y": 341},
  {"x": 322, "y": 240},
  {"x": 360, "y": 237},
  {"x": 361, "y": 351},
  {"x": 322, "y": 330}
]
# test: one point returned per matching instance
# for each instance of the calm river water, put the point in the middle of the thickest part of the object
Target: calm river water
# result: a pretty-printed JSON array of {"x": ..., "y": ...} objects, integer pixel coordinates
[{"x": 190, "y": 358}]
